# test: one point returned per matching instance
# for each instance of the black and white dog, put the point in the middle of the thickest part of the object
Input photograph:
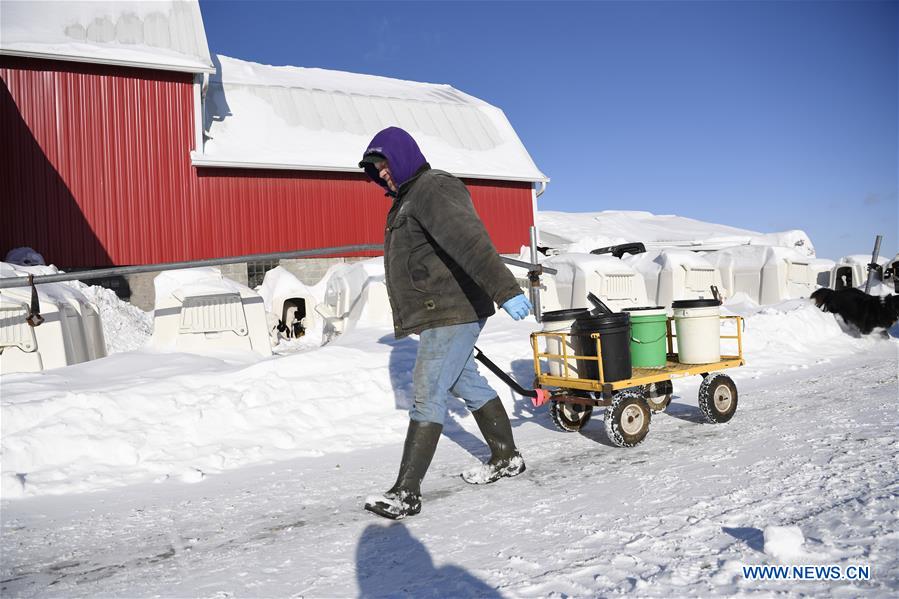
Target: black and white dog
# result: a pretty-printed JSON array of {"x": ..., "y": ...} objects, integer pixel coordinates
[{"x": 865, "y": 312}]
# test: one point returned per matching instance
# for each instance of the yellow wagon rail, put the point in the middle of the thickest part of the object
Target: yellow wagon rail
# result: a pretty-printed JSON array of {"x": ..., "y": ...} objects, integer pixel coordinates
[
  {"x": 628, "y": 403},
  {"x": 640, "y": 376}
]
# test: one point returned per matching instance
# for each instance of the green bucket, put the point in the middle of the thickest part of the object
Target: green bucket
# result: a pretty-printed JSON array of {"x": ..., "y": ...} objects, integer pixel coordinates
[{"x": 649, "y": 339}]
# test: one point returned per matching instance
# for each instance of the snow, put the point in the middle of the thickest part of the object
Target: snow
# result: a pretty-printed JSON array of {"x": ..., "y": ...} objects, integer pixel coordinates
[
  {"x": 676, "y": 516},
  {"x": 125, "y": 327},
  {"x": 314, "y": 118},
  {"x": 165, "y": 34},
  {"x": 159, "y": 473},
  {"x": 583, "y": 232},
  {"x": 784, "y": 543},
  {"x": 193, "y": 281}
]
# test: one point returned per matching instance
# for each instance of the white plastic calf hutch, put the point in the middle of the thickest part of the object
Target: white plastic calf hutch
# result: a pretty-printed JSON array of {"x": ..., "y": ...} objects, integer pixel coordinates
[
  {"x": 611, "y": 279},
  {"x": 355, "y": 292},
  {"x": 787, "y": 274},
  {"x": 289, "y": 301},
  {"x": 199, "y": 310},
  {"x": 549, "y": 294},
  {"x": 852, "y": 271},
  {"x": 70, "y": 333},
  {"x": 766, "y": 274},
  {"x": 671, "y": 275},
  {"x": 893, "y": 269},
  {"x": 821, "y": 267}
]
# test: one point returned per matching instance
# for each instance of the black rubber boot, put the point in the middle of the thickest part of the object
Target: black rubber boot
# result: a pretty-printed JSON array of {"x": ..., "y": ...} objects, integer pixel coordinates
[
  {"x": 505, "y": 460},
  {"x": 404, "y": 497}
]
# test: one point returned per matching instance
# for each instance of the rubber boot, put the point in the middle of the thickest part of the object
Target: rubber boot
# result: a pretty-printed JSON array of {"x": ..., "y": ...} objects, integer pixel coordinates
[
  {"x": 404, "y": 497},
  {"x": 505, "y": 460}
]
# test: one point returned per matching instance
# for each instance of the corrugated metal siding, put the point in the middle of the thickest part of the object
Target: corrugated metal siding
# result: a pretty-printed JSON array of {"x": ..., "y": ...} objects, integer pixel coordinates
[
  {"x": 99, "y": 174},
  {"x": 507, "y": 211},
  {"x": 253, "y": 211},
  {"x": 271, "y": 211},
  {"x": 100, "y": 171}
]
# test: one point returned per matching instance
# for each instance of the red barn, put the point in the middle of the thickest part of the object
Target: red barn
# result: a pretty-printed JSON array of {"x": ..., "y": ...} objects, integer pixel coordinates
[{"x": 125, "y": 143}]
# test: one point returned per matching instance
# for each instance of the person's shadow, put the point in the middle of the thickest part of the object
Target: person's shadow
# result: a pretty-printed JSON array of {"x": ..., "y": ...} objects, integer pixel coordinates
[
  {"x": 524, "y": 408},
  {"x": 391, "y": 563},
  {"x": 400, "y": 366}
]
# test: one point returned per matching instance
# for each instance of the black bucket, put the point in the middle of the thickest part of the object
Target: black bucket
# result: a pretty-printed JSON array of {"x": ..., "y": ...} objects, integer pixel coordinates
[
  {"x": 615, "y": 332},
  {"x": 562, "y": 315}
]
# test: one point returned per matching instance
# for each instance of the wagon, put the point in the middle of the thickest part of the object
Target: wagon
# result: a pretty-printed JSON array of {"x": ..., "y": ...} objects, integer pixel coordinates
[{"x": 629, "y": 403}]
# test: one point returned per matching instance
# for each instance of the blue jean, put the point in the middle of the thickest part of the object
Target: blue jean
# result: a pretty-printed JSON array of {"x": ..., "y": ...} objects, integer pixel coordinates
[{"x": 445, "y": 367}]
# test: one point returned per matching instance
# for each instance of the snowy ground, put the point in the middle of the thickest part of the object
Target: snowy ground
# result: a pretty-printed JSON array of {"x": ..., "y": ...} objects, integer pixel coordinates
[{"x": 231, "y": 476}]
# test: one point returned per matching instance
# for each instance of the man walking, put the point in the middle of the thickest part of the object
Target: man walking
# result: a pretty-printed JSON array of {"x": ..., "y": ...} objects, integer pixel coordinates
[{"x": 443, "y": 277}]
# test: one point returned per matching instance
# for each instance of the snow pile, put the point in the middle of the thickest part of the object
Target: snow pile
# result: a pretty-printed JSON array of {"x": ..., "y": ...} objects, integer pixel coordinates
[
  {"x": 583, "y": 232},
  {"x": 784, "y": 543},
  {"x": 193, "y": 281},
  {"x": 794, "y": 334},
  {"x": 125, "y": 326},
  {"x": 139, "y": 416},
  {"x": 142, "y": 415},
  {"x": 794, "y": 238}
]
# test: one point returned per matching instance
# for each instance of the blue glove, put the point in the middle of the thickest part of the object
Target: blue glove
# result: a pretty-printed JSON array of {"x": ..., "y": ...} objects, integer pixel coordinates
[{"x": 518, "y": 307}]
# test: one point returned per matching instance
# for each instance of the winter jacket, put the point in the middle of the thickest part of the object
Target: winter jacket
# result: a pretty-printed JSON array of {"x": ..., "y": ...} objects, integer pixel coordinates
[{"x": 440, "y": 264}]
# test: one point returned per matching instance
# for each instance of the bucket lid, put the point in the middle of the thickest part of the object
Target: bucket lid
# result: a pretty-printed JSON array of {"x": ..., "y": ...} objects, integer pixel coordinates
[
  {"x": 696, "y": 303},
  {"x": 647, "y": 312},
  {"x": 591, "y": 323},
  {"x": 559, "y": 315}
]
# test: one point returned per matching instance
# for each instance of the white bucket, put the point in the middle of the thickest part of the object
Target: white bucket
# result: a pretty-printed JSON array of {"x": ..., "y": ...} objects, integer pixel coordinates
[
  {"x": 560, "y": 321},
  {"x": 697, "y": 324}
]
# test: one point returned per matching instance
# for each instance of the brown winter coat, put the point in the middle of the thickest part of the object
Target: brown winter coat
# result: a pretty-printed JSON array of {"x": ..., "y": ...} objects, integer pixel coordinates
[{"x": 441, "y": 267}]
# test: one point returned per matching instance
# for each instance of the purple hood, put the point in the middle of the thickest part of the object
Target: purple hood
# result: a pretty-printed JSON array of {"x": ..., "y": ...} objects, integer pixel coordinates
[{"x": 401, "y": 152}]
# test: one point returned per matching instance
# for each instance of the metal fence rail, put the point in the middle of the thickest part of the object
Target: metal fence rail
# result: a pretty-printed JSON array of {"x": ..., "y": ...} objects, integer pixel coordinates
[
  {"x": 100, "y": 273},
  {"x": 130, "y": 270}
]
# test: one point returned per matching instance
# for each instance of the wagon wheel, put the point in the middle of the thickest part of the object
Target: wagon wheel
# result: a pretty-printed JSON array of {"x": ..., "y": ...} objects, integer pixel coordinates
[
  {"x": 569, "y": 417},
  {"x": 718, "y": 398},
  {"x": 627, "y": 417},
  {"x": 658, "y": 395}
]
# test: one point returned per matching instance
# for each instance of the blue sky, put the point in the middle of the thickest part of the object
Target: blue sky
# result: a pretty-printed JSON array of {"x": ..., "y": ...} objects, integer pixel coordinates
[{"x": 763, "y": 115}]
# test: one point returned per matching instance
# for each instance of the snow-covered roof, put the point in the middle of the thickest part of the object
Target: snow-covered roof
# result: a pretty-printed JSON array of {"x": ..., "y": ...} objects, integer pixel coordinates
[
  {"x": 863, "y": 259},
  {"x": 314, "y": 119},
  {"x": 586, "y": 231},
  {"x": 157, "y": 34}
]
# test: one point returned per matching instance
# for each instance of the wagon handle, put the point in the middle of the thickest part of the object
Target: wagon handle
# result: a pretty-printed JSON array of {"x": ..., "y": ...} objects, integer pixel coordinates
[{"x": 538, "y": 396}]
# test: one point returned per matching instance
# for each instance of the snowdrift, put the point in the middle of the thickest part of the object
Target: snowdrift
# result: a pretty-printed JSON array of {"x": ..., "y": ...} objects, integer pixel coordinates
[
  {"x": 149, "y": 416},
  {"x": 583, "y": 232}
]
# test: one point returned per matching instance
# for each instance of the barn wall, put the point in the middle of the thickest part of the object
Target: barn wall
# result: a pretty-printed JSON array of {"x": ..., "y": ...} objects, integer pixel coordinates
[{"x": 98, "y": 173}]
